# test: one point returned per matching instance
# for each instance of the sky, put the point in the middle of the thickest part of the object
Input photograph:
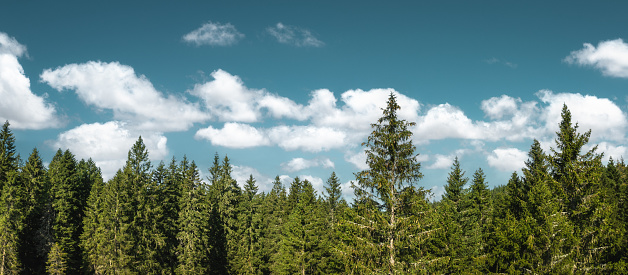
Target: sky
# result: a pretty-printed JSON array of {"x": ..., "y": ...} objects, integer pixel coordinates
[{"x": 290, "y": 88}]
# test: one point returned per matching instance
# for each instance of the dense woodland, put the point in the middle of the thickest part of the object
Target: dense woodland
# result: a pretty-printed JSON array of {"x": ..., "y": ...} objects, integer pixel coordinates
[{"x": 566, "y": 213}]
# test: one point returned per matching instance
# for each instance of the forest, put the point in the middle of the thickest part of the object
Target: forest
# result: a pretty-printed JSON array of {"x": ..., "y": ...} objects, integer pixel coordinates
[{"x": 565, "y": 212}]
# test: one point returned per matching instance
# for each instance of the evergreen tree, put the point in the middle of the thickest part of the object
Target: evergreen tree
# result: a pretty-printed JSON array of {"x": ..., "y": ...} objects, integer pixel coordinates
[
  {"x": 476, "y": 219},
  {"x": 301, "y": 235},
  {"x": 577, "y": 176},
  {"x": 67, "y": 207},
  {"x": 248, "y": 254},
  {"x": 34, "y": 241},
  {"x": 376, "y": 224},
  {"x": 452, "y": 209},
  {"x": 224, "y": 196},
  {"x": 334, "y": 206},
  {"x": 274, "y": 216},
  {"x": 193, "y": 237}
]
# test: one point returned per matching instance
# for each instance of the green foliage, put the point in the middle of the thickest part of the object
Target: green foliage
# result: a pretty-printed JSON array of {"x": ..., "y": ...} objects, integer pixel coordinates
[
  {"x": 374, "y": 233},
  {"x": 563, "y": 213}
]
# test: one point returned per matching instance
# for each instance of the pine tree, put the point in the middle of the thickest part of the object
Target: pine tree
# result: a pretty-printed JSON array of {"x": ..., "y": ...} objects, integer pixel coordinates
[{"x": 377, "y": 225}]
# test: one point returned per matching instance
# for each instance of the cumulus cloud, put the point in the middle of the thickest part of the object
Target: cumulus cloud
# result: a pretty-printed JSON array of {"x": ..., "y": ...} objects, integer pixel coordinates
[
  {"x": 214, "y": 34},
  {"x": 19, "y": 105},
  {"x": 305, "y": 138},
  {"x": 132, "y": 98},
  {"x": 446, "y": 121},
  {"x": 293, "y": 35},
  {"x": 357, "y": 159},
  {"x": 234, "y": 135},
  {"x": 617, "y": 152},
  {"x": 298, "y": 164},
  {"x": 108, "y": 144},
  {"x": 610, "y": 57},
  {"x": 229, "y": 99},
  {"x": 507, "y": 159},
  {"x": 605, "y": 119}
]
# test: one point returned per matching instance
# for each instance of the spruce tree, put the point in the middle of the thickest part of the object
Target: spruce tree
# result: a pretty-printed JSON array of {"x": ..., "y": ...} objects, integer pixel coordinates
[
  {"x": 194, "y": 240},
  {"x": 452, "y": 209},
  {"x": 224, "y": 196},
  {"x": 248, "y": 252},
  {"x": 576, "y": 180},
  {"x": 274, "y": 216},
  {"x": 300, "y": 250},
  {"x": 34, "y": 240},
  {"x": 67, "y": 223},
  {"x": 377, "y": 224}
]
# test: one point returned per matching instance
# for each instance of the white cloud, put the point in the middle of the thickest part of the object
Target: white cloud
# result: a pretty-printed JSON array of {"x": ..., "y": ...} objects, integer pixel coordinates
[
  {"x": 307, "y": 138},
  {"x": 234, "y": 135},
  {"x": 446, "y": 121},
  {"x": 227, "y": 98},
  {"x": 19, "y": 105},
  {"x": 498, "y": 107},
  {"x": 605, "y": 119},
  {"x": 357, "y": 159},
  {"x": 293, "y": 35},
  {"x": 611, "y": 57},
  {"x": 298, "y": 164},
  {"x": 10, "y": 46},
  {"x": 108, "y": 144},
  {"x": 132, "y": 98},
  {"x": 507, "y": 159},
  {"x": 441, "y": 161},
  {"x": 214, "y": 34}
]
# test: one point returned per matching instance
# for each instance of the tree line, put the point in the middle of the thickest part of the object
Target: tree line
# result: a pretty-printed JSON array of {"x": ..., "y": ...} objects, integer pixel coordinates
[{"x": 566, "y": 213}]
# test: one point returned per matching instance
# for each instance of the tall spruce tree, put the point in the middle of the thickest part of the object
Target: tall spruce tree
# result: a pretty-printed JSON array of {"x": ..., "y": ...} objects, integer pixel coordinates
[
  {"x": 379, "y": 221},
  {"x": 12, "y": 204}
]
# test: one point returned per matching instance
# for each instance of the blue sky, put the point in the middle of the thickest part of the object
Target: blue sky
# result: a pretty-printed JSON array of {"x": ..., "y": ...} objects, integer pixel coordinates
[{"x": 289, "y": 88}]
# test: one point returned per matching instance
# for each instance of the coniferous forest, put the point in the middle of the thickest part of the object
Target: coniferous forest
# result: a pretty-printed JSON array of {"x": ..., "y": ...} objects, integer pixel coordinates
[{"x": 564, "y": 213}]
